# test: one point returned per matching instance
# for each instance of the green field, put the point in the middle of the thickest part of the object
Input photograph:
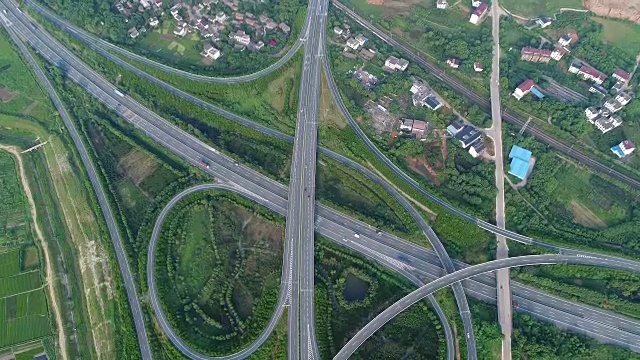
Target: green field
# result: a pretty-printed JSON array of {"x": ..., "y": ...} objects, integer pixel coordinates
[
  {"x": 23, "y": 303},
  {"x": 624, "y": 34},
  {"x": 14, "y": 215},
  {"x": 534, "y": 8},
  {"x": 218, "y": 267},
  {"x": 163, "y": 43}
]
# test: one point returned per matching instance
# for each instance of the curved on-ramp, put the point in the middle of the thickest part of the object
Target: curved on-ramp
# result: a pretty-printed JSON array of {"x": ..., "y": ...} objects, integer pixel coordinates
[
  {"x": 388, "y": 314},
  {"x": 189, "y": 352},
  {"x": 86, "y": 36}
]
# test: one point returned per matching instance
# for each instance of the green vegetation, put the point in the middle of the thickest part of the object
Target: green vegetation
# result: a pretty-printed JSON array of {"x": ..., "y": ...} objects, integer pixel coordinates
[
  {"x": 30, "y": 354},
  {"x": 534, "y": 8},
  {"x": 623, "y": 34},
  {"x": 14, "y": 214},
  {"x": 218, "y": 270},
  {"x": 566, "y": 203},
  {"x": 23, "y": 304},
  {"x": 534, "y": 339},
  {"x": 90, "y": 307},
  {"x": 342, "y": 310}
]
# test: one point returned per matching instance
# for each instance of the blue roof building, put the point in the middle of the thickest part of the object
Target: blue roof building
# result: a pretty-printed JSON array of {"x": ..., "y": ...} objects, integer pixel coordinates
[
  {"x": 537, "y": 93},
  {"x": 519, "y": 162}
]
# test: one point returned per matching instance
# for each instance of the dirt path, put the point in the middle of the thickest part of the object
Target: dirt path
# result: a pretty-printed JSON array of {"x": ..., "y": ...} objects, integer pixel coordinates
[{"x": 45, "y": 249}]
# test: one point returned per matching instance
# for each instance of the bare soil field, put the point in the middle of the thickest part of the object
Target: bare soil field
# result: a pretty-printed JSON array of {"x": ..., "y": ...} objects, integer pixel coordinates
[
  {"x": 137, "y": 165},
  {"x": 622, "y": 9},
  {"x": 585, "y": 217},
  {"x": 6, "y": 95}
]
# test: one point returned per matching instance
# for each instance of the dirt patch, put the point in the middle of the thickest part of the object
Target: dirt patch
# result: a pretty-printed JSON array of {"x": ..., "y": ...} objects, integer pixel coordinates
[
  {"x": 279, "y": 89},
  {"x": 137, "y": 166},
  {"x": 622, "y": 9},
  {"x": 29, "y": 109},
  {"x": 50, "y": 282},
  {"x": 585, "y": 217},
  {"x": 421, "y": 167},
  {"x": 359, "y": 119},
  {"x": 269, "y": 234},
  {"x": 6, "y": 95}
]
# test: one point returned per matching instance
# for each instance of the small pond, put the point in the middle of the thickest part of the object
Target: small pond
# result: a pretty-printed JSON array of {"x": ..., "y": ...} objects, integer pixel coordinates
[{"x": 355, "y": 289}]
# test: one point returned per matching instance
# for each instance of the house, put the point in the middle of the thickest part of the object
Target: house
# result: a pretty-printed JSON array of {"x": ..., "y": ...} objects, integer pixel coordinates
[
  {"x": 361, "y": 39},
  {"x": 479, "y": 13},
  {"x": 520, "y": 159},
  {"x": 587, "y": 72},
  {"x": 535, "y": 54},
  {"x": 337, "y": 30},
  {"x": 221, "y": 17},
  {"x": 617, "y": 86},
  {"x": 597, "y": 89},
  {"x": 133, "y": 32},
  {"x": 623, "y": 98},
  {"x": 621, "y": 75},
  {"x": 623, "y": 149},
  {"x": 441, "y": 4},
  {"x": 180, "y": 29},
  {"x": 419, "y": 129},
  {"x": 394, "y": 63},
  {"x": 211, "y": 52},
  {"x": 592, "y": 113},
  {"x": 544, "y": 22},
  {"x": 453, "y": 62},
  {"x": 366, "y": 79},
  {"x": 353, "y": 43},
  {"x": 432, "y": 102},
  {"x": 467, "y": 135},
  {"x": 613, "y": 105},
  {"x": 249, "y": 21},
  {"x": 558, "y": 53},
  {"x": 605, "y": 124},
  {"x": 476, "y": 3},
  {"x": 284, "y": 27},
  {"x": 367, "y": 54},
  {"x": 564, "y": 40},
  {"x": 523, "y": 89},
  {"x": 477, "y": 67},
  {"x": 537, "y": 93},
  {"x": 153, "y": 22},
  {"x": 477, "y": 147},
  {"x": 241, "y": 37},
  {"x": 454, "y": 127},
  {"x": 263, "y": 18},
  {"x": 406, "y": 125},
  {"x": 270, "y": 25},
  {"x": 259, "y": 45}
]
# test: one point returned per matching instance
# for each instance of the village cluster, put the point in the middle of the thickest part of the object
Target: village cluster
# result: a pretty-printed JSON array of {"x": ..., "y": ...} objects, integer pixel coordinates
[{"x": 200, "y": 19}]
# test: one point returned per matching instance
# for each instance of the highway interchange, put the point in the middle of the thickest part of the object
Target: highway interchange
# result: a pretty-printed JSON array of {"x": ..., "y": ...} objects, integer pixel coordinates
[{"x": 146, "y": 120}]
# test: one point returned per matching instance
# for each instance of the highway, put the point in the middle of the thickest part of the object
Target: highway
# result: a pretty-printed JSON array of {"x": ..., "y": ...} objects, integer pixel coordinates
[
  {"x": 484, "y": 104},
  {"x": 299, "y": 229},
  {"x": 325, "y": 228},
  {"x": 115, "y": 102},
  {"x": 76, "y": 31},
  {"x": 114, "y": 235},
  {"x": 503, "y": 276},
  {"x": 335, "y": 156},
  {"x": 389, "y": 313}
]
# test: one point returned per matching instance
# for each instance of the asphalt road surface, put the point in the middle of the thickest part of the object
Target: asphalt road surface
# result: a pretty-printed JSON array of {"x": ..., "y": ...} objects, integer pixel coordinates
[
  {"x": 327, "y": 229},
  {"x": 74, "y": 30},
  {"x": 389, "y": 313},
  {"x": 107, "y": 97},
  {"x": 299, "y": 231},
  {"x": 484, "y": 103},
  {"x": 123, "y": 264}
]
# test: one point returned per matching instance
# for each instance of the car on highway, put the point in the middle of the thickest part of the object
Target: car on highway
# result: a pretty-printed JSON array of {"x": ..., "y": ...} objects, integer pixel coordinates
[
  {"x": 204, "y": 163},
  {"x": 379, "y": 232},
  {"x": 356, "y": 235}
]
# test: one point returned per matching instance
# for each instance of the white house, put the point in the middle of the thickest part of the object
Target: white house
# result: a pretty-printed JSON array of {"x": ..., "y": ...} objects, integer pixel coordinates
[
  {"x": 544, "y": 22},
  {"x": 623, "y": 98},
  {"x": 613, "y": 105},
  {"x": 523, "y": 89},
  {"x": 241, "y": 37},
  {"x": 592, "y": 113},
  {"x": 441, "y": 4},
  {"x": 477, "y": 67},
  {"x": 479, "y": 13},
  {"x": 394, "y": 63},
  {"x": 476, "y": 3},
  {"x": 180, "y": 29},
  {"x": 337, "y": 30},
  {"x": 558, "y": 53},
  {"x": 607, "y": 124},
  {"x": 353, "y": 43},
  {"x": 361, "y": 39},
  {"x": 211, "y": 52},
  {"x": 453, "y": 62},
  {"x": 623, "y": 149},
  {"x": 153, "y": 22}
]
